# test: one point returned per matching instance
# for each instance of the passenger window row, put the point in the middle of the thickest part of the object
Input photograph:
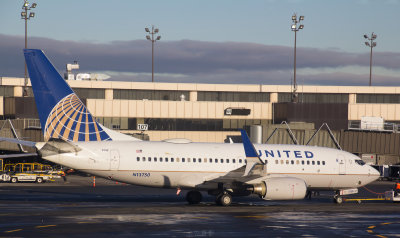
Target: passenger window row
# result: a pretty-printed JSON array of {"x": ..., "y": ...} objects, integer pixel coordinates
[
  {"x": 189, "y": 160},
  {"x": 297, "y": 162}
]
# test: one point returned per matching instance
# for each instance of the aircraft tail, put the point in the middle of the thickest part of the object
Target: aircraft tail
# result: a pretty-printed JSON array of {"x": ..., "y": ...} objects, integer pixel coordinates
[{"x": 62, "y": 114}]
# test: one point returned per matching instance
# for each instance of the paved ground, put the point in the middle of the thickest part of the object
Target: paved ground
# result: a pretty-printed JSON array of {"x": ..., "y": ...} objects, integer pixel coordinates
[{"x": 77, "y": 209}]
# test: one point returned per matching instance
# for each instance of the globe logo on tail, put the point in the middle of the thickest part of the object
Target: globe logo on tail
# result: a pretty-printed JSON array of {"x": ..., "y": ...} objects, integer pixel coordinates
[{"x": 71, "y": 121}]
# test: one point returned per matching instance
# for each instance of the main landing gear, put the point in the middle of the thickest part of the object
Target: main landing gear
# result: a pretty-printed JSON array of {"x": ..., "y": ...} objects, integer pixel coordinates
[
  {"x": 223, "y": 196},
  {"x": 224, "y": 199},
  {"x": 194, "y": 197}
]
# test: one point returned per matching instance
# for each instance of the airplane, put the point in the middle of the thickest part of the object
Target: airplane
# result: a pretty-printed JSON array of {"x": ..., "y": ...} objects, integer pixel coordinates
[{"x": 273, "y": 172}]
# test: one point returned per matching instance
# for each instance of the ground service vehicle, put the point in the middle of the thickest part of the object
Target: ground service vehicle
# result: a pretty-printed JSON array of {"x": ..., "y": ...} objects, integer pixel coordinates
[{"x": 25, "y": 177}]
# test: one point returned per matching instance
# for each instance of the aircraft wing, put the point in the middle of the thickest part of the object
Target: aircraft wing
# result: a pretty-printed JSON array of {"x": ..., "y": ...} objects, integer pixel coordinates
[
  {"x": 253, "y": 169},
  {"x": 237, "y": 175}
]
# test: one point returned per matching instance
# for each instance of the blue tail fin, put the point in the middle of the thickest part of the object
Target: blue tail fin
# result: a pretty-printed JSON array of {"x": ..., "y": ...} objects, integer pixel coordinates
[
  {"x": 61, "y": 112},
  {"x": 252, "y": 158}
]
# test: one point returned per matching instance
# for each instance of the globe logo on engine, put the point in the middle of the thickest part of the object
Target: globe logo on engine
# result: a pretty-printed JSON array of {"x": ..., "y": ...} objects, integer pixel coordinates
[{"x": 70, "y": 120}]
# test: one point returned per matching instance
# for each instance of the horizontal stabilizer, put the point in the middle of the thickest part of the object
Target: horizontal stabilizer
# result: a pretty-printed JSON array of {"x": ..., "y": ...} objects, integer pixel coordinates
[{"x": 57, "y": 146}]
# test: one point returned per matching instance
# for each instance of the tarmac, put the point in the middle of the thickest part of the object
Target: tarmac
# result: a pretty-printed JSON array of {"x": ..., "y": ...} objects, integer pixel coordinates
[{"x": 78, "y": 209}]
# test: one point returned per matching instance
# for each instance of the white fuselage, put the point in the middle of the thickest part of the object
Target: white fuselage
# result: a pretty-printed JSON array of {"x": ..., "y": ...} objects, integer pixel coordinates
[{"x": 196, "y": 165}]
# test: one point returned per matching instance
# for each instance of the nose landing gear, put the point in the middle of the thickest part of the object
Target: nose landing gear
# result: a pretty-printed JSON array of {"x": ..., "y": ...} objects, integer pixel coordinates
[{"x": 338, "y": 199}]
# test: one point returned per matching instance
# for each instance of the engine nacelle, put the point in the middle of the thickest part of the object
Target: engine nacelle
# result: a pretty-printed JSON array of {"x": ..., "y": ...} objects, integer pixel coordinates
[{"x": 281, "y": 189}]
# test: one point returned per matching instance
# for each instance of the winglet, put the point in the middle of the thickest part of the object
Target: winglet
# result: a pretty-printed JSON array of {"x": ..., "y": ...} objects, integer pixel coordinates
[
  {"x": 248, "y": 146},
  {"x": 252, "y": 157}
]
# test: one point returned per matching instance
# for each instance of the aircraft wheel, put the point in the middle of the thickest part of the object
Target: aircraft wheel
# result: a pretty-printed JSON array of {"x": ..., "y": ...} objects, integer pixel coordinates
[
  {"x": 338, "y": 200},
  {"x": 194, "y": 197},
  {"x": 224, "y": 199},
  {"x": 14, "y": 180}
]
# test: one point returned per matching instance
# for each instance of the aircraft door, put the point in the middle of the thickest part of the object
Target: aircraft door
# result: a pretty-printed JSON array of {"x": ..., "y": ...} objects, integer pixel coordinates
[
  {"x": 114, "y": 159},
  {"x": 342, "y": 164}
]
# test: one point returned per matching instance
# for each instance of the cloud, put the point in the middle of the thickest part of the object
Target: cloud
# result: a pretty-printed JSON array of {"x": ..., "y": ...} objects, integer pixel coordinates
[{"x": 205, "y": 62}]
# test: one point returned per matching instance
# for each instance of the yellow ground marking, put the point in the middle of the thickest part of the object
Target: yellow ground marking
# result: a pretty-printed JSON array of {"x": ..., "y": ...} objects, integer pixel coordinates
[
  {"x": 381, "y": 224},
  {"x": 381, "y": 236},
  {"x": 45, "y": 226},
  {"x": 13, "y": 231}
]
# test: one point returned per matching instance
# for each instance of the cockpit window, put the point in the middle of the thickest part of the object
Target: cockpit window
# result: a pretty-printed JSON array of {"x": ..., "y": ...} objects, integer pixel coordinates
[{"x": 360, "y": 162}]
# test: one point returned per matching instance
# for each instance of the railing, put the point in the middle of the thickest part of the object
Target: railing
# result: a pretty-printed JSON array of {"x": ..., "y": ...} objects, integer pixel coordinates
[
  {"x": 32, "y": 124},
  {"x": 386, "y": 126}
]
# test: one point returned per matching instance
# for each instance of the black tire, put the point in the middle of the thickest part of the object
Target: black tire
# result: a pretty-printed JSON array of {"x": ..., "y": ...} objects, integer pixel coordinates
[
  {"x": 338, "y": 200},
  {"x": 225, "y": 200},
  {"x": 14, "y": 180},
  {"x": 39, "y": 180},
  {"x": 194, "y": 197}
]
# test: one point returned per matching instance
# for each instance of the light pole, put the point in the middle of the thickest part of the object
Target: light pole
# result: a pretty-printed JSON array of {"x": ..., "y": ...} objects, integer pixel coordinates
[
  {"x": 370, "y": 44},
  {"x": 151, "y": 38},
  {"x": 295, "y": 28},
  {"x": 25, "y": 16}
]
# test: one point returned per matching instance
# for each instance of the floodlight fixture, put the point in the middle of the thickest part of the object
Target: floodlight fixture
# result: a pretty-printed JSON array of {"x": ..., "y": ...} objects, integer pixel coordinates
[
  {"x": 27, "y": 15},
  {"x": 371, "y": 44},
  {"x": 151, "y": 37},
  {"x": 295, "y": 28}
]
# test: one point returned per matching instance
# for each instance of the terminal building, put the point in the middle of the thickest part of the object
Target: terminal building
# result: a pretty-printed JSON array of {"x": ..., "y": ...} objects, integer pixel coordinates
[{"x": 215, "y": 112}]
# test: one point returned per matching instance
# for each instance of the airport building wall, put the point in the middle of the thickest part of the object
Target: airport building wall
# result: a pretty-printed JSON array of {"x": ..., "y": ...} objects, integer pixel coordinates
[{"x": 198, "y": 111}]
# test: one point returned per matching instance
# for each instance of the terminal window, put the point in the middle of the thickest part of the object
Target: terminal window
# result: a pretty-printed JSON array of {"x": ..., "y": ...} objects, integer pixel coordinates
[
  {"x": 95, "y": 93},
  {"x": 315, "y": 97},
  {"x": 233, "y": 96},
  {"x": 8, "y": 91},
  {"x": 378, "y": 98},
  {"x": 165, "y": 95}
]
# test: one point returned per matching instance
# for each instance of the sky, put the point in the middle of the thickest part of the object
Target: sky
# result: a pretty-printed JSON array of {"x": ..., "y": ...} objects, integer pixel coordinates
[{"x": 210, "y": 41}]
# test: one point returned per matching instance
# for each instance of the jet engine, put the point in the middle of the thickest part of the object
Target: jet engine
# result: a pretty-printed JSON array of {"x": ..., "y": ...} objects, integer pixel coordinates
[{"x": 283, "y": 188}]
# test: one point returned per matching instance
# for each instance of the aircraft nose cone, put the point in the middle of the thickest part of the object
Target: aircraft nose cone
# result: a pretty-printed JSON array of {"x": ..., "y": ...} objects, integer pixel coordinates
[{"x": 374, "y": 172}]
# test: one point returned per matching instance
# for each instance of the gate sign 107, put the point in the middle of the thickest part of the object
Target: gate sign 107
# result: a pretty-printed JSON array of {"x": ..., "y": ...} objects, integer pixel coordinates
[{"x": 142, "y": 127}]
